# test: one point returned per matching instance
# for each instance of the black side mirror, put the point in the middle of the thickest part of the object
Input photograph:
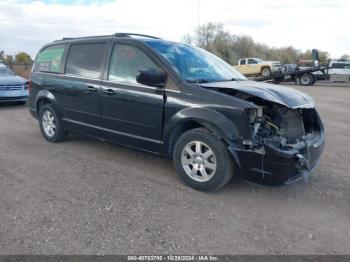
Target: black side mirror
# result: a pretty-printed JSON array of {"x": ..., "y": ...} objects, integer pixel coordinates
[{"x": 151, "y": 77}]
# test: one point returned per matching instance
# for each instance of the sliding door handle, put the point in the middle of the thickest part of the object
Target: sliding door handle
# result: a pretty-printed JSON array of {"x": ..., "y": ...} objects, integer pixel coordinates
[
  {"x": 92, "y": 88},
  {"x": 109, "y": 92}
]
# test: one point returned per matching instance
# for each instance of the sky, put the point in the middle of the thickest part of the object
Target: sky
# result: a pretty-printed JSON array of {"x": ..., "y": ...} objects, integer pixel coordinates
[{"x": 27, "y": 25}]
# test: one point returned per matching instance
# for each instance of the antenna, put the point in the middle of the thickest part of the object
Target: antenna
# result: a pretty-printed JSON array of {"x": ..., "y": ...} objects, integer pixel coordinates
[{"x": 197, "y": 13}]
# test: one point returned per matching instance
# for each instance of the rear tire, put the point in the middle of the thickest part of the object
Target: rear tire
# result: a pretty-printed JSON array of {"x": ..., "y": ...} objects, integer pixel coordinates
[
  {"x": 306, "y": 79},
  {"x": 202, "y": 161},
  {"x": 51, "y": 124}
]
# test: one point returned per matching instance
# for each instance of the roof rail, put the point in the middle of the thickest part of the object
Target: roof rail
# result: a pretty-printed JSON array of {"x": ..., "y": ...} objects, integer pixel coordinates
[
  {"x": 83, "y": 37},
  {"x": 116, "y": 35},
  {"x": 132, "y": 34}
]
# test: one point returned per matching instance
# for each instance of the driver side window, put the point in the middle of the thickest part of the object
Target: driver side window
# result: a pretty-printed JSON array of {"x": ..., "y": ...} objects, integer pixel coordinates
[{"x": 126, "y": 61}]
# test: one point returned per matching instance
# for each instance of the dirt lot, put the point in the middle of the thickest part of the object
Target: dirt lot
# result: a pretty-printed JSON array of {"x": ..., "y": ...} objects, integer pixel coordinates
[{"x": 86, "y": 197}]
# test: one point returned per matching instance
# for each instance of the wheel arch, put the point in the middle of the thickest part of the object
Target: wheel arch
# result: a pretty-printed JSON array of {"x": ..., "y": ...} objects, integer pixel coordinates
[
  {"x": 46, "y": 97},
  {"x": 265, "y": 66},
  {"x": 191, "y": 118}
]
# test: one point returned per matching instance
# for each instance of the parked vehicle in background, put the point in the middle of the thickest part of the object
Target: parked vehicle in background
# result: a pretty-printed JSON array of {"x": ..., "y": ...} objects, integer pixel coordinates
[
  {"x": 339, "y": 71},
  {"x": 178, "y": 101},
  {"x": 13, "y": 88},
  {"x": 335, "y": 70},
  {"x": 256, "y": 66}
]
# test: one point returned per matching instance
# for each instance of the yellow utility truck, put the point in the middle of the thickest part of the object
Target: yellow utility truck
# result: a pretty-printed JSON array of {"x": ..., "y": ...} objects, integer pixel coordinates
[{"x": 255, "y": 66}]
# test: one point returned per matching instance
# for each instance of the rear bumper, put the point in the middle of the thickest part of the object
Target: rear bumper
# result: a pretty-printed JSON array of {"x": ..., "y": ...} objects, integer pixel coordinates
[{"x": 273, "y": 166}]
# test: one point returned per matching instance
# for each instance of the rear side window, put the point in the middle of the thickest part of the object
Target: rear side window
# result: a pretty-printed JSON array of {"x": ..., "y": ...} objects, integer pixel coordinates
[
  {"x": 126, "y": 61},
  {"x": 242, "y": 62},
  {"x": 49, "y": 60},
  {"x": 85, "y": 60}
]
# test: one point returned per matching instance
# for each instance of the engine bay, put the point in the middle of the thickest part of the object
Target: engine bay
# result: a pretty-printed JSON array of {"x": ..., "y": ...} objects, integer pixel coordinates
[{"x": 281, "y": 127}]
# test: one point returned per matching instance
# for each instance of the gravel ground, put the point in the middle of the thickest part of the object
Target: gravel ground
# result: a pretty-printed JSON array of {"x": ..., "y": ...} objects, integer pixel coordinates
[{"x": 84, "y": 196}]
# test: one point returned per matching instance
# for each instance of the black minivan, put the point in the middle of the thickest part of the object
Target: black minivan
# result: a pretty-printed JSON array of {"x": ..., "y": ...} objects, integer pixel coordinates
[{"x": 178, "y": 101}]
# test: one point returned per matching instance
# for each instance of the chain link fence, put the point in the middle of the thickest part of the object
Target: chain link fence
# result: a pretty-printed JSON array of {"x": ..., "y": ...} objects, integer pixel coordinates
[{"x": 22, "y": 69}]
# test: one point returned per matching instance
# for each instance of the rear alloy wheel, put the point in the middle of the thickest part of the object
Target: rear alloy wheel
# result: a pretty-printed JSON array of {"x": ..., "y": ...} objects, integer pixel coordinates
[
  {"x": 265, "y": 72},
  {"x": 50, "y": 125},
  {"x": 202, "y": 161}
]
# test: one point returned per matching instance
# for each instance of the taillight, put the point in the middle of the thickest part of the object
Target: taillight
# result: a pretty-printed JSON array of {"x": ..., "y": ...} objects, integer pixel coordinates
[{"x": 29, "y": 84}]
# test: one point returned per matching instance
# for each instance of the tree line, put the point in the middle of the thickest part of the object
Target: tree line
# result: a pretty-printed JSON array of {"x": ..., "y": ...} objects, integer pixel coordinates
[
  {"x": 230, "y": 47},
  {"x": 19, "y": 57}
]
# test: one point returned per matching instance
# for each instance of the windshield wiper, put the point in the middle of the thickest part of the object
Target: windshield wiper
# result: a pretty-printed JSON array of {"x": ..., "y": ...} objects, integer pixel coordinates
[
  {"x": 232, "y": 79},
  {"x": 198, "y": 81}
]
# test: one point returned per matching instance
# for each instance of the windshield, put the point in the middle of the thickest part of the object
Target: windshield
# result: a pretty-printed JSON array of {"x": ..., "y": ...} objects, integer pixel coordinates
[
  {"x": 5, "y": 72},
  {"x": 194, "y": 64},
  {"x": 258, "y": 60}
]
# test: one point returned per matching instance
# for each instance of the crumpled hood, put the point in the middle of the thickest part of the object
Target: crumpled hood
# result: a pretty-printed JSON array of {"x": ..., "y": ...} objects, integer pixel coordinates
[
  {"x": 283, "y": 95},
  {"x": 12, "y": 80}
]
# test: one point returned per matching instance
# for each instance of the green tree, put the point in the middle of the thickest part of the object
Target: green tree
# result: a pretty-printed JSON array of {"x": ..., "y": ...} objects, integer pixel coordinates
[
  {"x": 214, "y": 38},
  {"x": 23, "y": 57}
]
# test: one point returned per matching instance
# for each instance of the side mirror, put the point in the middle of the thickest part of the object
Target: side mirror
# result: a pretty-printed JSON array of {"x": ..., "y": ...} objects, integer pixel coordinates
[{"x": 151, "y": 77}]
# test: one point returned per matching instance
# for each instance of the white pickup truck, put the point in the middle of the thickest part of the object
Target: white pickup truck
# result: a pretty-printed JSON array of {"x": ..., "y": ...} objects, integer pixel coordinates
[
  {"x": 255, "y": 66},
  {"x": 338, "y": 71}
]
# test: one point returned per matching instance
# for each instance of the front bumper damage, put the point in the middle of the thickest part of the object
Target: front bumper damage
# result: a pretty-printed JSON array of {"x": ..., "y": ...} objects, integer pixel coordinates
[
  {"x": 286, "y": 135},
  {"x": 271, "y": 165}
]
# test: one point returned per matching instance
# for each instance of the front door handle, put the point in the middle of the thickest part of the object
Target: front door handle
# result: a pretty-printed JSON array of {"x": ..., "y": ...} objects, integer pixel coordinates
[
  {"x": 109, "y": 92},
  {"x": 92, "y": 88}
]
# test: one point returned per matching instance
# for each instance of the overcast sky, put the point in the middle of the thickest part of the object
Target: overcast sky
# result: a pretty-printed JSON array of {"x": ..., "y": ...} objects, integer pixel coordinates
[{"x": 26, "y": 25}]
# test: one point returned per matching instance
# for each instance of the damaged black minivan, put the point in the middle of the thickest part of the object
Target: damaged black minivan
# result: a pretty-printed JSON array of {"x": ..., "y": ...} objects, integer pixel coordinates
[{"x": 178, "y": 101}]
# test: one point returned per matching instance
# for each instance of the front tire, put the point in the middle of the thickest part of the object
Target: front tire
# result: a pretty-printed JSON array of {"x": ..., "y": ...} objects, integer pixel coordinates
[
  {"x": 202, "y": 161},
  {"x": 51, "y": 124},
  {"x": 265, "y": 72}
]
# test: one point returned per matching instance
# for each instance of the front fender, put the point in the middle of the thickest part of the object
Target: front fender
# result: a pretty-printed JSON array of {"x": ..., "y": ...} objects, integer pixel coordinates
[{"x": 215, "y": 121}]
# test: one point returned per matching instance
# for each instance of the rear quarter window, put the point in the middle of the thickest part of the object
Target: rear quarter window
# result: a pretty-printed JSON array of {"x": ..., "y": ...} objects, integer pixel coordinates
[{"x": 50, "y": 59}]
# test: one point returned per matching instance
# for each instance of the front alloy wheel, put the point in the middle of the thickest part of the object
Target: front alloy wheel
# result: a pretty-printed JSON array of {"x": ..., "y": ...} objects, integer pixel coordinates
[
  {"x": 202, "y": 160},
  {"x": 198, "y": 161}
]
